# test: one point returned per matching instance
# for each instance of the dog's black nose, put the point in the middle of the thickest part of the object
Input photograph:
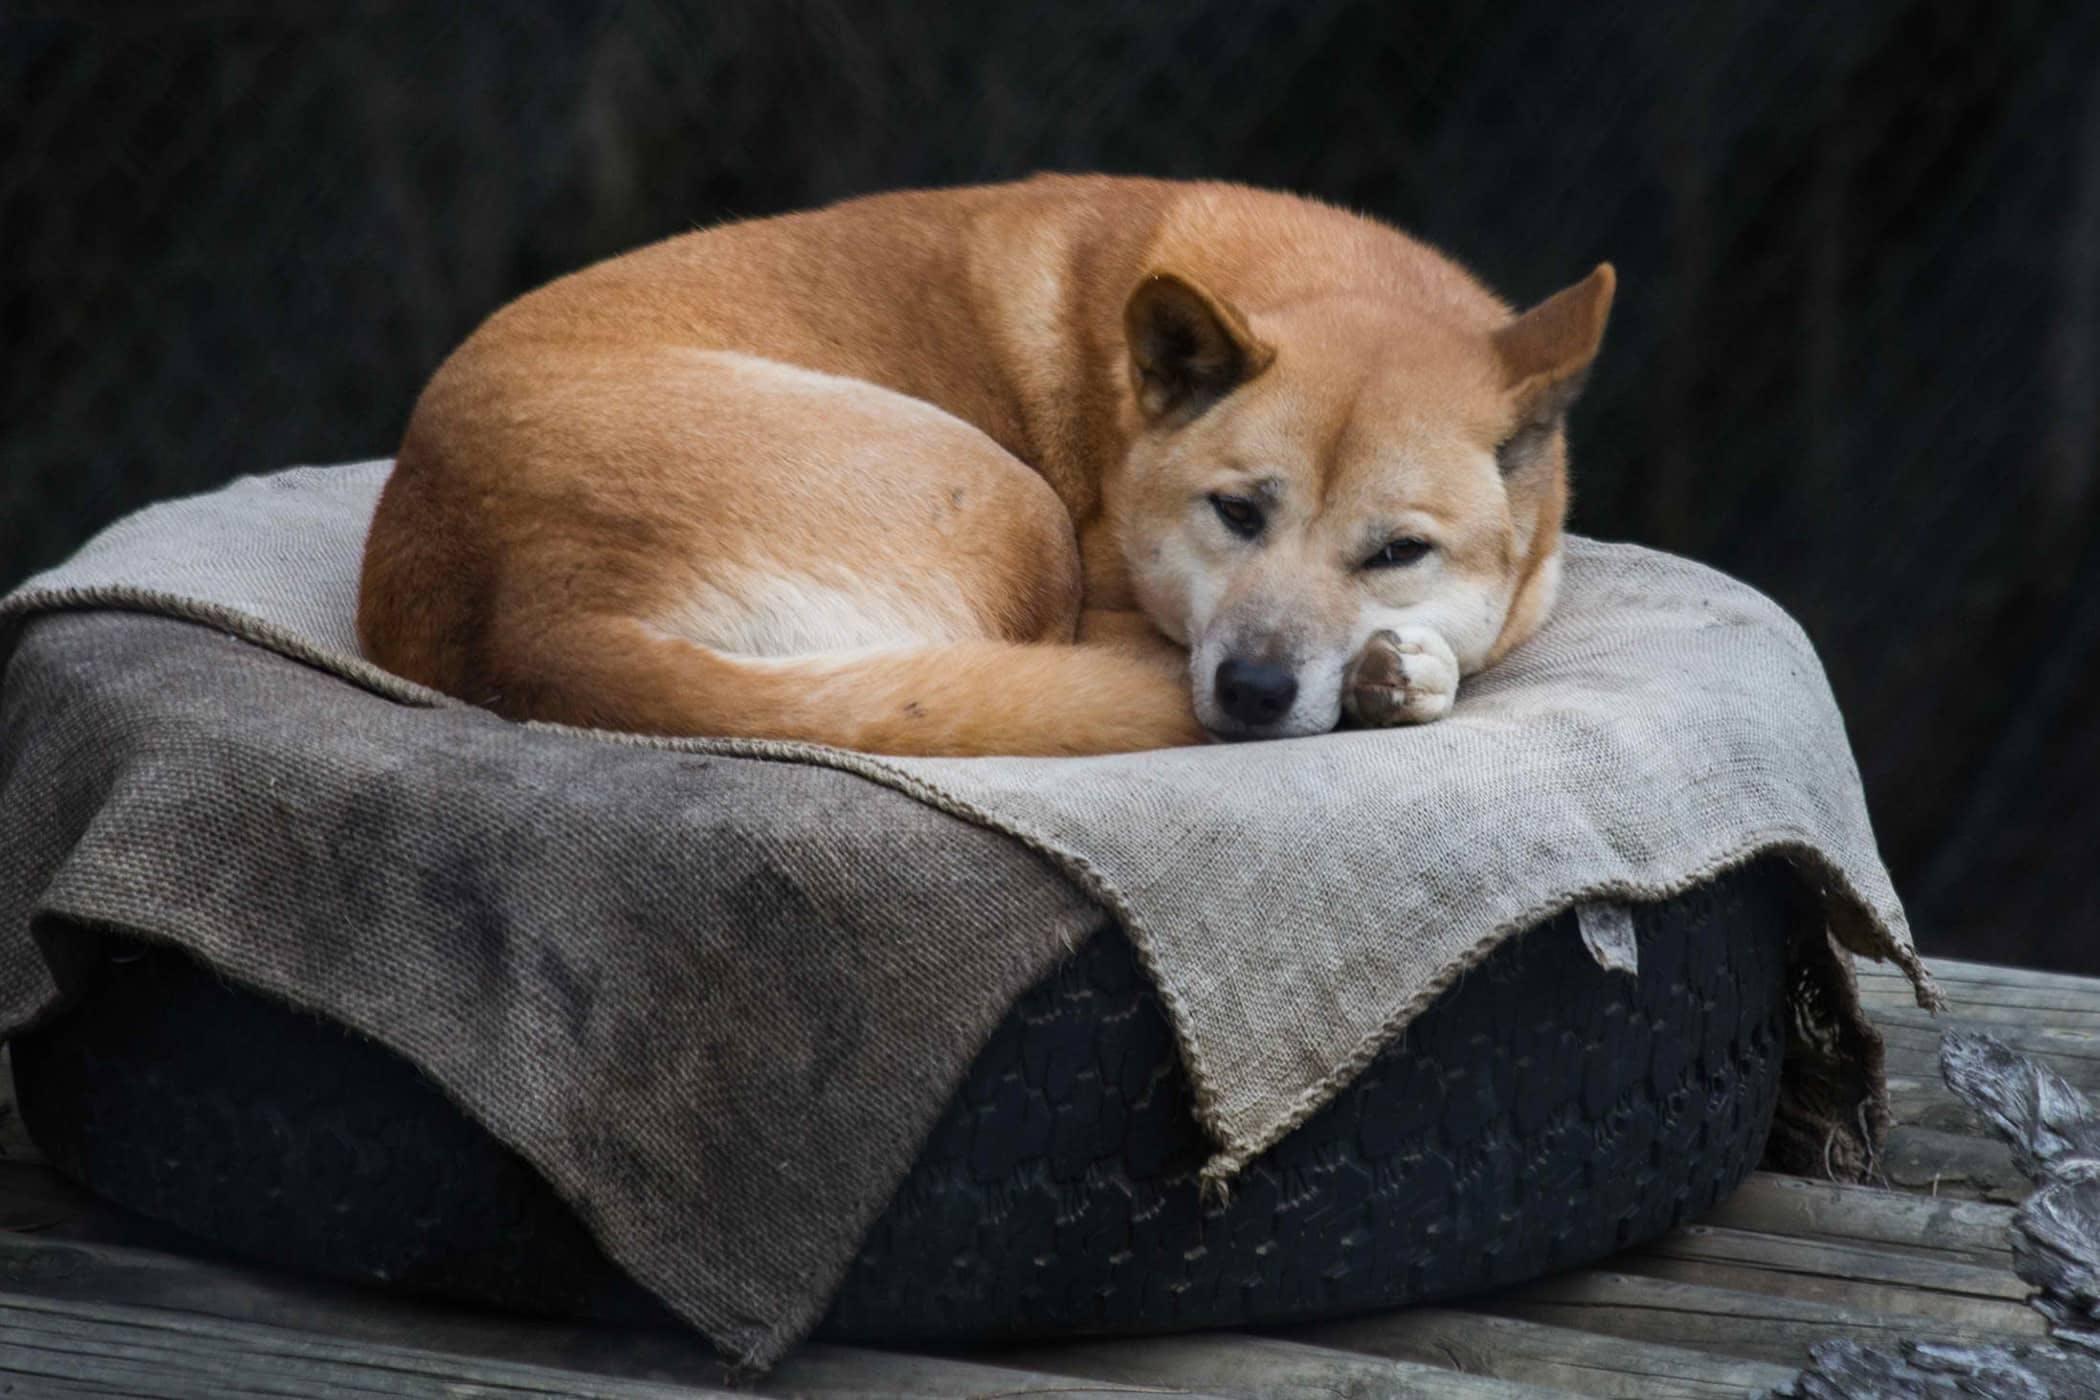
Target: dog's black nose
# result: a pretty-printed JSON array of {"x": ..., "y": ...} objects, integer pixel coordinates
[{"x": 1254, "y": 692}]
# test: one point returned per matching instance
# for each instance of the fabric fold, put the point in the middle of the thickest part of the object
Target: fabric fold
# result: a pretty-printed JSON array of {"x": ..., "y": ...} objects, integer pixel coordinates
[{"x": 561, "y": 926}]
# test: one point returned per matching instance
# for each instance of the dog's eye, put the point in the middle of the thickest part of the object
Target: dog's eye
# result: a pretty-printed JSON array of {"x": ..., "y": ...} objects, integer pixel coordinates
[
  {"x": 1398, "y": 554},
  {"x": 1241, "y": 516}
]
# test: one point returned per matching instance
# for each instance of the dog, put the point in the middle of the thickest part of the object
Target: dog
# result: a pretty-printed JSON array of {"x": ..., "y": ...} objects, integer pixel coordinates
[{"x": 1076, "y": 465}]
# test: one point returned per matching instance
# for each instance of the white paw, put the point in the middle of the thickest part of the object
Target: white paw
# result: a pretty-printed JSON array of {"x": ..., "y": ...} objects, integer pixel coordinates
[{"x": 1405, "y": 676}]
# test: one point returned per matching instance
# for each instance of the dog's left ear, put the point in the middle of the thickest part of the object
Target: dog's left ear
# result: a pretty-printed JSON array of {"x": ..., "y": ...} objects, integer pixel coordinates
[
  {"x": 1546, "y": 355},
  {"x": 1188, "y": 349}
]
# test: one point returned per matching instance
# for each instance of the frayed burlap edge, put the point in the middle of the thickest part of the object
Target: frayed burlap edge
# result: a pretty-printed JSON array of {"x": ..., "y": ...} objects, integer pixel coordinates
[{"x": 1841, "y": 1116}]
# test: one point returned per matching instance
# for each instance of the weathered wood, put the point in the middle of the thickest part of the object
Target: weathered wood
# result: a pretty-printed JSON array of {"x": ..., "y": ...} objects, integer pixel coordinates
[
  {"x": 2049, "y": 1041},
  {"x": 2011, "y": 985},
  {"x": 95, "y": 1273},
  {"x": 1234, "y": 1364},
  {"x": 1537, "y": 1354},
  {"x": 2054, "y": 1132},
  {"x": 155, "y": 1352},
  {"x": 1786, "y": 1258},
  {"x": 1977, "y": 1299},
  {"x": 1757, "y": 1326},
  {"x": 1915, "y": 1053},
  {"x": 2013, "y": 1006},
  {"x": 1959, "y": 1165},
  {"x": 835, "y": 1373},
  {"x": 1928, "y": 1103},
  {"x": 1866, "y": 1215},
  {"x": 1953, "y": 972},
  {"x": 1937, "y": 1146},
  {"x": 2047, "y": 988},
  {"x": 1726, "y": 1307},
  {"x": 1926, "y": 1371},
  {"x": 44, "y": 1387}
]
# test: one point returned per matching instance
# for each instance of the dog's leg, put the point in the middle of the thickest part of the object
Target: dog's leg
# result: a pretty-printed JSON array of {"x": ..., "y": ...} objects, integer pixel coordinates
[{"x": 1406, "y": 676}]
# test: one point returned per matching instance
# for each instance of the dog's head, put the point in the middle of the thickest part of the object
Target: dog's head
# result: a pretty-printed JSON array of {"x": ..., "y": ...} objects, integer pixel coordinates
[{"x": 1306, "y": 477}]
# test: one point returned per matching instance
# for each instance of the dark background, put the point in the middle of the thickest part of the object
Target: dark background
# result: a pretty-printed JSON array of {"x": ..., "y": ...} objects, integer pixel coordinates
[{"x": 1856, "y": 358}]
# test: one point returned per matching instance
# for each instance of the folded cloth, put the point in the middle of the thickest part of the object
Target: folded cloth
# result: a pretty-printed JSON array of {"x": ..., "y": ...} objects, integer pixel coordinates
[{"x": 676, "y": 975}]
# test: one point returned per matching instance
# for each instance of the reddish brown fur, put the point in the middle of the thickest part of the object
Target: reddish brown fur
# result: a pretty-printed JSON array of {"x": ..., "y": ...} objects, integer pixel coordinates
[{"x": 613, "y": 465}]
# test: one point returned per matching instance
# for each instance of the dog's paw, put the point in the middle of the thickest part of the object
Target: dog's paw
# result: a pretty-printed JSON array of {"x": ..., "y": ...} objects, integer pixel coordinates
[{"x": 1409, "y": 676}]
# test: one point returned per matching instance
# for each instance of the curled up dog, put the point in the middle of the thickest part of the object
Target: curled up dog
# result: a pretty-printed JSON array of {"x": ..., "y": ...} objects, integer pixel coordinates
[{"x": 1077, "y": 465}]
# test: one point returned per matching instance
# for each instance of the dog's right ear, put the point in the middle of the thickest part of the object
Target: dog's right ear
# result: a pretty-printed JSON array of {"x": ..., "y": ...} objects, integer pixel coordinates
[
  {"x": 1546, "y": 355},
  {"x": 1188, "y": 349},
  {"x": 1546, "y": 352}
]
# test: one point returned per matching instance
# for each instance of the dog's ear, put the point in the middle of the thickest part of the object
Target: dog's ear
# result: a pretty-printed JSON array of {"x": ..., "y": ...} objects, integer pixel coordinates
[
  {"x": 1188, "y": 349},
  {"x": 1546, "y": 355}
]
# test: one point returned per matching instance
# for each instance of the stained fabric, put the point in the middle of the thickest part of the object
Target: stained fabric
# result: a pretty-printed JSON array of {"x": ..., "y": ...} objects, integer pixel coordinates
[{"x": 717, "y": 992}]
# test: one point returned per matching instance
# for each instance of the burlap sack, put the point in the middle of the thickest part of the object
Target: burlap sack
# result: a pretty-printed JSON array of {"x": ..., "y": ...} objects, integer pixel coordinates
[{"x": 1296, "y": 902}]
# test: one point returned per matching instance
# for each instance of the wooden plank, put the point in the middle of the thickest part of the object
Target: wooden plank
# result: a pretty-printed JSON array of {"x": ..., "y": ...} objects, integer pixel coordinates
[
  {"x": 1981, "y": 997},
  {"x": 1915, "y": 1054},
  {"x": 1783, "y": 1263},
  {"x": 1966, "y": 1296},
  {"x": 1954, "y": 1165},
  {"x": 1929, "y": 1103},
  {"x": 48, "y": 1386},
  {"x": 1755, "y": 1326},
  {"x": 822, "y": 1372},
  {"x": 1789, "y": 1256},
  {"x": 93, "y": 1272},
  {"x": 2016, "y": 1006},
  {"x": 1512, "y": 1349},
  {"x": 96, "y": 1273},
  {"x": 1956, "y": 972},
  {"x": 1937, "y": 1146},
  {"x": 2041, "y": 1041},
  {"x": 154, "y": 1352},
  {"x": 1234, "y": 1364},
  {"x": 2049, "y": 992},
  {"x": 1783, "y": 1207},
  {"x": 1961, "y": 1230}
]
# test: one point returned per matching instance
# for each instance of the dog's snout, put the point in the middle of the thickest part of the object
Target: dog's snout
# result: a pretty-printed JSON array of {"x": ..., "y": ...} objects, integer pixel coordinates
[{"x": 1255, "y": 692}]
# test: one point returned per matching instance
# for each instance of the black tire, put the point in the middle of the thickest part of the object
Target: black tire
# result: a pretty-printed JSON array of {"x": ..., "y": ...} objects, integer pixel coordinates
[{"x": 1540, "y": 1115}]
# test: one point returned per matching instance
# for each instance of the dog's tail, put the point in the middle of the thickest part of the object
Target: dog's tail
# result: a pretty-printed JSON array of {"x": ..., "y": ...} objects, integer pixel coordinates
[{"x": 951, "y": 699}]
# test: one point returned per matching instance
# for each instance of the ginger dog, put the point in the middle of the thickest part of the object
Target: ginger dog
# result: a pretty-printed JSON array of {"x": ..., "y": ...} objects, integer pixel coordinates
[{"x": 1078, "y": 465}]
